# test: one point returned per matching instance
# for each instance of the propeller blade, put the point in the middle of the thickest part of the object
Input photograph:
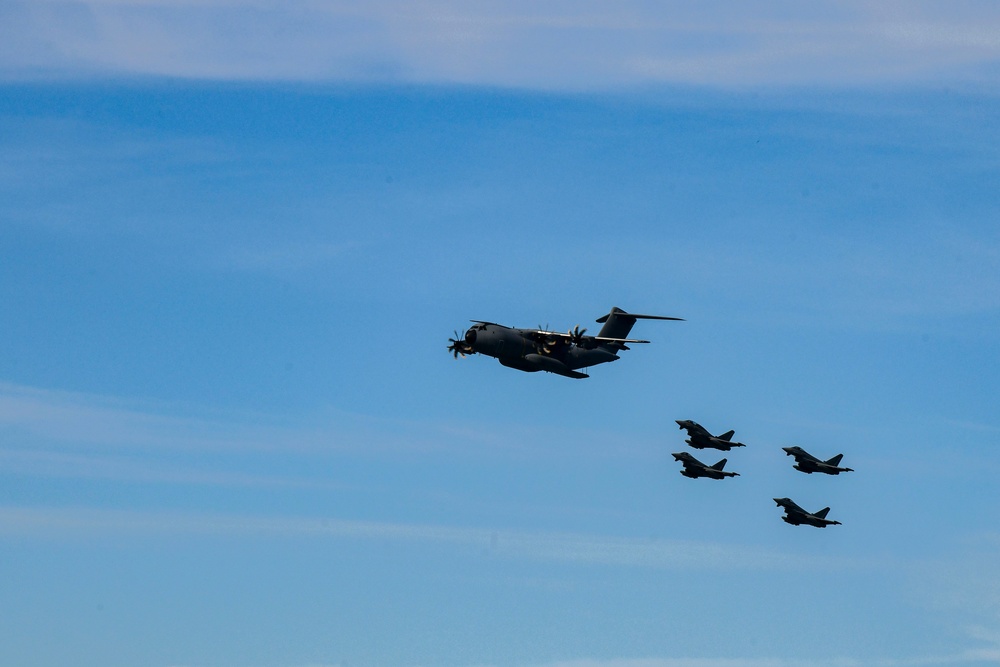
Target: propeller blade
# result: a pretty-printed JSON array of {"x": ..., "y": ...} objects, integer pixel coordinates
[{"x": 459, "y": 346}]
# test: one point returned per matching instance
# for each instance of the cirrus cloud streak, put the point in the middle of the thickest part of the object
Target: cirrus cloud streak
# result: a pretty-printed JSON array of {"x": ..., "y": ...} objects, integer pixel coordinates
[{"x": 552, "y": 45}]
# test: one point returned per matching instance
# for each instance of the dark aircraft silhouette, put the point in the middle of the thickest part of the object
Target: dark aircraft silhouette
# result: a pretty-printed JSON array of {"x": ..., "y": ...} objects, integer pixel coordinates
[
  {"x": 809, "y": 464},
  {"x": 694, "y": 468},
  {"x": 797, "y": 516},
  {"x": 534, "y": 350},
  {"x": 699, "y": 438}
]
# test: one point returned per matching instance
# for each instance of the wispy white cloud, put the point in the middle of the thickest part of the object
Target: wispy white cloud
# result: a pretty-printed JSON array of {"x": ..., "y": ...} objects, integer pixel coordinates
[
  {"x": 80, "y": 421},
  {"x": 964, "y": 587},
  {"x": 72, "y": 435},
  {"x": 54, "y": 432},
  {"x": 94, "y": 466},
  {"x": 965, "y": 657},
  {"x": 563, "y": 547},
  {"x": 87, "y": 419},
  {"x": 968, "y": 582},
  {"x": 555, "y": 44}
]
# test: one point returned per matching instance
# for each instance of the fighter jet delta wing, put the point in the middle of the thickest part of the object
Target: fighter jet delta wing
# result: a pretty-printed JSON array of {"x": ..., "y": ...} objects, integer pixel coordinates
[
  {"x": 694, "y": 468},
  {"x": 807, "y": 463},
  {"x": 700, "y": 438},
  {"x": 797, "y": 516}
]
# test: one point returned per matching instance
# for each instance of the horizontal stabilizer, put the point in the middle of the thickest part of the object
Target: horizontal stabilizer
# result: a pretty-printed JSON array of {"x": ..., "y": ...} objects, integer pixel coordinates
[
  {"x": 823, "y": 512},
  {"x": 835, "y": 461},
  {"x": 727, "y": 436},
  {"x": 621, "y": 313},
  {"x": 655, "y": 317}
]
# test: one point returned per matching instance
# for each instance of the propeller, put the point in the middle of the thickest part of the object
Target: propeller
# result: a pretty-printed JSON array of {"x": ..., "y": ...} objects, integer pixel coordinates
[
  {"x": 547, "y": 344},
  {"x": 576, "y": 335},
  {"x": 459, "y": 346}
]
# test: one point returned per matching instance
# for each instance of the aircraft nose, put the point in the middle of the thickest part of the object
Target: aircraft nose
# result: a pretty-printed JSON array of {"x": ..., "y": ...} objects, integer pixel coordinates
[
  {"x": 679, "y": 422},
  {"x": 787, "y": 449}
]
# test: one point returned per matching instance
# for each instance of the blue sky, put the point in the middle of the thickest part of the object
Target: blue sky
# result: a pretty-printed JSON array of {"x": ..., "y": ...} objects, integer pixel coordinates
[{"x": 235, "y": 238}]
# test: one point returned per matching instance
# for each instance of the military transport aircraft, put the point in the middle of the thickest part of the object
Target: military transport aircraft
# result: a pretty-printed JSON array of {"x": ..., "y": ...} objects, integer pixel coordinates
[
  {"x": 564, "y": 354},
  {"x": 797, "y": 516},
  {"x": 809, "y": 464},
  {"x": 694, "y": 468},
  {"x": 699, "y": 438}
]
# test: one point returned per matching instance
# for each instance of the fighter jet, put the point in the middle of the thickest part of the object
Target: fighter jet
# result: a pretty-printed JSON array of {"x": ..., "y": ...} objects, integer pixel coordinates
[
  {"x": 699, "y": 438},
  {"x": 694, "y": 468},
  {"x": 809, "y": 464},
  {"x": 797, "y": 516},
  {"x": 564, "y": 354}
]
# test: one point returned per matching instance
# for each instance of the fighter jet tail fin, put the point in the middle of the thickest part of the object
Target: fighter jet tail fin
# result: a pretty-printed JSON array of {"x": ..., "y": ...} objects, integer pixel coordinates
[
  {"x": 721, "y": 464},
  {"x": 835, "y": 461},
  {"x": 823, "y": 512},
  {"x": 727, "y": 436}
]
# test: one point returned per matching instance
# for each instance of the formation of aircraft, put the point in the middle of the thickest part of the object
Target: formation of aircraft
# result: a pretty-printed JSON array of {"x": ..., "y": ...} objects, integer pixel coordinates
[
  {"x": 694, "y": 468},
  {"x": 797, "y": 516},
  {"x": 700, "y": 438},
  {"x": 533, "y": 350},
  {"x": 809, "y": 464}
]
